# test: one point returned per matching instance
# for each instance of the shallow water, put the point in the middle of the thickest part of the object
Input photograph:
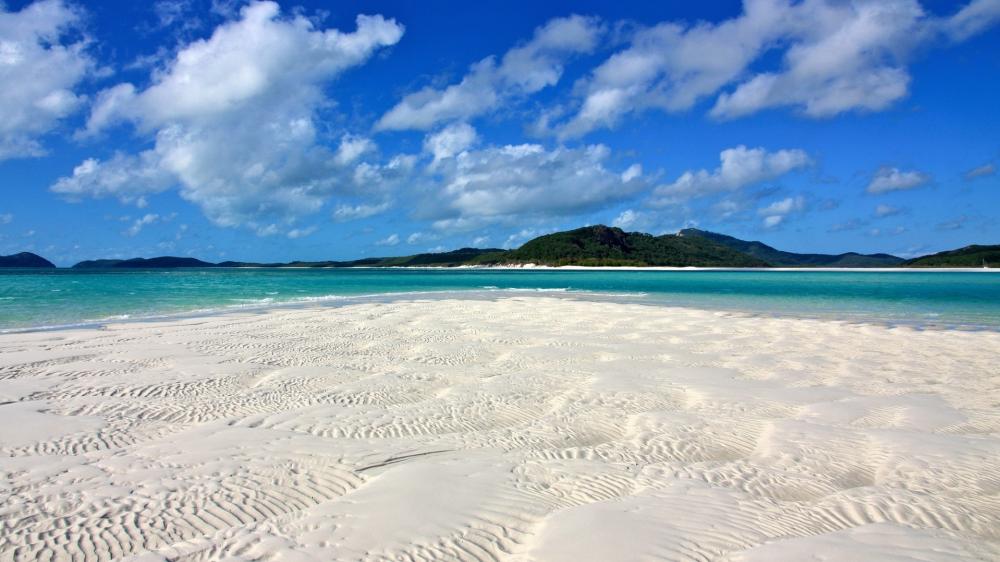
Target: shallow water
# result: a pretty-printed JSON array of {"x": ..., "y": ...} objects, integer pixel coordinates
[{"x": 46, "y": 298}]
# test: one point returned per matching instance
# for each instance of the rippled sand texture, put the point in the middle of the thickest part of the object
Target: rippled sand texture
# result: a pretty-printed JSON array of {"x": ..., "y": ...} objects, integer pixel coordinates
[{"x": 530, "y": 429}]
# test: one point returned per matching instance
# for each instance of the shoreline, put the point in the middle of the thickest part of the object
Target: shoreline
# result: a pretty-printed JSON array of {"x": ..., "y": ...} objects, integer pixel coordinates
[
  {"x": 327, "y": 302},
  {"x": 536, "y": 267},
  {"x": 305, "y": 433}
]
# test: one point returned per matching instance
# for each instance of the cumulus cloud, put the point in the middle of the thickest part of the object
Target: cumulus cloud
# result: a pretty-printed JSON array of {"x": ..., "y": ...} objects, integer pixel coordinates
[
  {"x": 345, "y": 213},
  {"x": 784, "y": 206},
  {"x": 887, "y": 179},
  {"x": 450, "y": 141},
  {"x": 983, "y": 171},
  {"x": 296, "y": 233},
  {"x": 775, "y": 213},
  {"x": 128, "y": 177},
  {"x": 976, "y": 17},
  {"x": 421, "y": 238},
  {"x": 520, "y": 237},
  {"x": 234, "y": 125},
  {"x": 40, "y": 67},
  {"x": 883, "y": 211},
  {"x": 739, "y": 167},
  {"x": 352, "y": 148},
  {"x": 391, "y": 240},
  {"x": 523, "y": 70},
  {"x": 835, "y": 57},
  {"x": 138, "y": 223},
  {"x": 517, "y": 182},
  {"x": 633, "y": 220},
  {"x": 626, "y": 219}
]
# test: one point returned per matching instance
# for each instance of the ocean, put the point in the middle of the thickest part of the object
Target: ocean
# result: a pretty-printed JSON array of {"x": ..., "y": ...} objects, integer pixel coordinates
[{"x": 34, "y": 299}]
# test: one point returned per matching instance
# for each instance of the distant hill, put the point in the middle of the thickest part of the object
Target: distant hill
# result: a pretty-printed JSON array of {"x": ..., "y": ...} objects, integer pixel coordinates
[
  {"x": 597, "y": 245},
  {"x": 25, "y": 259},
  {"x": 969, "y": 256},
  {"x": 143, "y": 263},
  {"x": 779, "y": 258},
  {"x": 440, "y": 259},
  {"x": 461, "y": 256},
  {"x": 608, "y": 246}
]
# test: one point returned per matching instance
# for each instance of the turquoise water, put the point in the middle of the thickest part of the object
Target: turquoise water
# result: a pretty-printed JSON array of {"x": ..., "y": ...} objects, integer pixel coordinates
[{"x": 48, "y": 298}]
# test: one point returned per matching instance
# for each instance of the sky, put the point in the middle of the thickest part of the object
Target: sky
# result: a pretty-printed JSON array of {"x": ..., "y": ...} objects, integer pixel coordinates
[{"x": 304, "y": 130}]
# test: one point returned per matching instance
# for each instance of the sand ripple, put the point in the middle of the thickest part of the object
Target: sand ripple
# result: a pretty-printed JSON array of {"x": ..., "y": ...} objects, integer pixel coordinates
[{"x": 527, "y": 429}]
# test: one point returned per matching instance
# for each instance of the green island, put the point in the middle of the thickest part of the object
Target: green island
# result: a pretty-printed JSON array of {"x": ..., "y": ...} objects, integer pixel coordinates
[{"x": 589, "y": 246}]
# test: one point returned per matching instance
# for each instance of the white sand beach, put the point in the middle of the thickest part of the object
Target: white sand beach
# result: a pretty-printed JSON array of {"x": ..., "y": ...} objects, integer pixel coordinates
[{"x": 522, "y": 428}]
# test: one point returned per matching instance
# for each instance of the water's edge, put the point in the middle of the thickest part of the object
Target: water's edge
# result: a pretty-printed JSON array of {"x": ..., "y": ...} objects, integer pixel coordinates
[{"x": 61, "y": 299}]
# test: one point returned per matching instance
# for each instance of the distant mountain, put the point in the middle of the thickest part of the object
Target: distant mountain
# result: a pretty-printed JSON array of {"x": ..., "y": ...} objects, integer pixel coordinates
[
  {"x": 25, "y": 259},
  {"x": 779, "y": 258},
  {"x": 162, "y": 262},
  {"x": 453, "y": 258},
  {"x": 969, "y": 256},
  {"x": 607, "y": 246},
  {"x": 440, "y": 259}
]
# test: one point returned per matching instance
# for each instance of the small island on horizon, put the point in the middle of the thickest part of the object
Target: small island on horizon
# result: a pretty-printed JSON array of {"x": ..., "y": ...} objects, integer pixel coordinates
[{"x": 588, "y": 246}]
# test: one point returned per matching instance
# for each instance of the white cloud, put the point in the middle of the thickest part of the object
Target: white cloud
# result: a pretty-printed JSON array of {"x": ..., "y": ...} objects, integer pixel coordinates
[
  {"x": 450, "y": 141},
  {"x": 519, "y": 182},
  {"x": 773, "y": 221},
  {"x": 843, "y": 57},
  {"x": 882, "y": 211},
  {"x": 138, "y": 223},
  {"x": 234, "y": 124},
  {"x": 523, "y": 70},
  {"x": 739, "y": 167},
  {"x": 300, "y": 232},
  {"x": 390, "y": 240},
  {"x": 784, "y": 206},
  {"x": 344, "y": 213},
  {"x": 835, "y": 57},
  {"x": 888, "y": 179},
  {"x": 630, "y": 219},
  {"x": 420, "y": 237},
  {"x": 39, "y": 70},
  {"x": 480, "y": 241},
  {"x": 983, "y": 171},
  {"x": 522, "y": 236},
  {"x": 633, "y": 172},
  {"x": 6, "y": 218},
  {"x": 126, "y": 177},
  {"x": 352, "y": 148},
  {"x": 976, "y": 17},
  {"x": 169, "y": 12},
  {"x": 775, "y": 213}
]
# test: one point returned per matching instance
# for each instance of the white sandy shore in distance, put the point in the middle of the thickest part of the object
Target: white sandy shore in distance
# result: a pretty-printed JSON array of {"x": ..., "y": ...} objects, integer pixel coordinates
[
  {"x": 533, "y": 266},
  {"x": 525, "y": 428}
]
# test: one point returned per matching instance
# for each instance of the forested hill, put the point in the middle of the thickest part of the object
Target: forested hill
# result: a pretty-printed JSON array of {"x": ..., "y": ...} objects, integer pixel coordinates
[
  {"x": 780, "y": 258},
  {"x": 597, "y": 245},
  {"x": 608, "y": 246},
  {"x": 969, "y": 256},
  {"x": 25, "y": 259}
]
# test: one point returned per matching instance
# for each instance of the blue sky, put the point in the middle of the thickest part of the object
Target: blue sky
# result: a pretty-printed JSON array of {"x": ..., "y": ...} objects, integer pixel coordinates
[{"x": 316, "y": 130}]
